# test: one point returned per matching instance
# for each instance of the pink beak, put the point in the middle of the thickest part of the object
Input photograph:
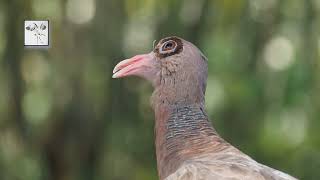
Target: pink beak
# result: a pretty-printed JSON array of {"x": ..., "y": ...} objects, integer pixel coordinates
[{"x": 139, "y": 65}]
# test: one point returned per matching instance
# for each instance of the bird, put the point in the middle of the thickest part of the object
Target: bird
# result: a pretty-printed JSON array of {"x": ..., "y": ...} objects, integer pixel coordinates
[{"x": 187, "y": 145}]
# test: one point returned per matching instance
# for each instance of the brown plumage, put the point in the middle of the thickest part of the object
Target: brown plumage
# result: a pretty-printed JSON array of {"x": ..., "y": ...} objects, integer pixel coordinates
[{"x": 187, "y": 145}]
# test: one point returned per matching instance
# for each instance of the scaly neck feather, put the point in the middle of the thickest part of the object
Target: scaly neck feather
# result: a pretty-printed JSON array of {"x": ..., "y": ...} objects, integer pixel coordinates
[
  {"x": 182, "y": 128},
  {"x": 182, "y": 131}
]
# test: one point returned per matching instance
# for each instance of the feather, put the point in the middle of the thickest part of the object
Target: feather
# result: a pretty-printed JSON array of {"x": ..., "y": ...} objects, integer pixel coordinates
[{"x": 187, "y": 145}]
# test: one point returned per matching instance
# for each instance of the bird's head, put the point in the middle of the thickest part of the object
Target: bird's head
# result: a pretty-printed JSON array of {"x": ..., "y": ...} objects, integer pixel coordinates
[{"x": 175, "y": 66}]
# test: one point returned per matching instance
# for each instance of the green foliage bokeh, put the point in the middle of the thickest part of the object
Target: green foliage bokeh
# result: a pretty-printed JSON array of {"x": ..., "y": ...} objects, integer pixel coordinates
[{"x": 62, "y": 117}]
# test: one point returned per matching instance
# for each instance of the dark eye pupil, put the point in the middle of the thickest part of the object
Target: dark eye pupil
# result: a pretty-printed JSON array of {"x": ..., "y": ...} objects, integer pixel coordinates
[{"x": 168, "y": 46}]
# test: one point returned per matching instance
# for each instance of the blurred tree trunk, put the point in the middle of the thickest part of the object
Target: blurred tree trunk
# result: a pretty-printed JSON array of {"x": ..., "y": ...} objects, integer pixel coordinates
[
  {"x": 16, "y": 12},
  {"x": 108, "y": 45},
  {"x": 78, "y": 127}
]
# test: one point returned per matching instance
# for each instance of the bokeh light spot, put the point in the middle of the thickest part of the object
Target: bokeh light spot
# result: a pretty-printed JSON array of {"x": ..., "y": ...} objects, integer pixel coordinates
[
  {"x": 258, "y": 8},
  {"x": 37, "y": 105},
  {"x": 294, "y": 121},
  {"x": 214, "y": 95},
  {"x": 191, "y": 11},
  {"x": 284, "y": 130},
  {"x": 80, "y": 11},
  {"x": 316, "y": 4},
  {"x": 10, "y": 145},
  {"x": 47, "y": 8},
  {"x": 138, "y": 36},
  {"x": 34, "y": 68},
  {"x": 278, "y": 53}
]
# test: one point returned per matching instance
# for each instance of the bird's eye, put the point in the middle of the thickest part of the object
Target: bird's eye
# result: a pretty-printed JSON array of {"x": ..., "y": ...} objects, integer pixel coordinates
[{"x": 168, "y": 46}]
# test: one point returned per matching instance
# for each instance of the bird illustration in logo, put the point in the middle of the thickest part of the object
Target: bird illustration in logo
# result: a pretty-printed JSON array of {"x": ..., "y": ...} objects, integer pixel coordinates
[{"x": 37, "y": 31}]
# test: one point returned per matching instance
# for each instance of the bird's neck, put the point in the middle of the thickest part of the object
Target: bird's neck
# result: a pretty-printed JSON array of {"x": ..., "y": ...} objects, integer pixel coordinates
[{"x": 182, "y": 131}]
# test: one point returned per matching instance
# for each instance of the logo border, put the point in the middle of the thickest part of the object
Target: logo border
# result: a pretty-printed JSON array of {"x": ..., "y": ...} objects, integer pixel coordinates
[{"x": 24, "y": 34}]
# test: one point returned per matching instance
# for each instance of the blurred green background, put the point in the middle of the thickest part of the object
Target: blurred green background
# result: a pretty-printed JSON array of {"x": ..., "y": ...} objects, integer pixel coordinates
[{"x": 62, "y": 117}]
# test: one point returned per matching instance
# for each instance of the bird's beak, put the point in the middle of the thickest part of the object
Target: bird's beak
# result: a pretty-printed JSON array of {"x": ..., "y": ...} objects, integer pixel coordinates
[{"x": 139, "y": 65}]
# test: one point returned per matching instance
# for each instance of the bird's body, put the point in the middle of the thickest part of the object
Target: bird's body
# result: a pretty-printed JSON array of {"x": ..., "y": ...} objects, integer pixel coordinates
[
  {"x": 229, "y": 164},
  {"x": 188, "y": 148},
  {"x": 187, "y": 145}
]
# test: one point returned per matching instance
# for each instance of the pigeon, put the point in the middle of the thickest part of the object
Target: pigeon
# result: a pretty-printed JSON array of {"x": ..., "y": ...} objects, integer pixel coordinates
[{"x": 187, "y": 145}]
